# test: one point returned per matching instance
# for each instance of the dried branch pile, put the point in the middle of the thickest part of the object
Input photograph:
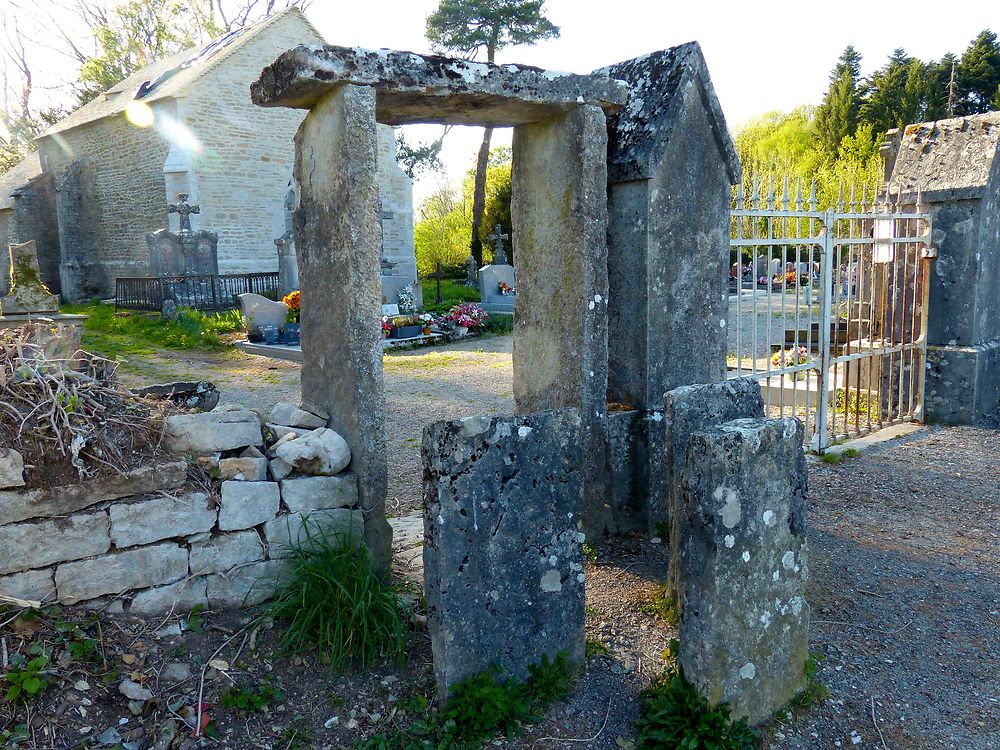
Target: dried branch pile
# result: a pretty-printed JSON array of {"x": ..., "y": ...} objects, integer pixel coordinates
[{"x": 67, "y": 414}]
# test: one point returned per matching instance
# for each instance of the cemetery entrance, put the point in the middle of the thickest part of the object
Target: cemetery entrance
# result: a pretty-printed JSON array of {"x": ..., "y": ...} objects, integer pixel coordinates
[{"x": 828, "y": 309}]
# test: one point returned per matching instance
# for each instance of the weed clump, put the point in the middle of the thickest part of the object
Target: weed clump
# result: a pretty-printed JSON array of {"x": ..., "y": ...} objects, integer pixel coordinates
[{"x": 332, "y": 602}]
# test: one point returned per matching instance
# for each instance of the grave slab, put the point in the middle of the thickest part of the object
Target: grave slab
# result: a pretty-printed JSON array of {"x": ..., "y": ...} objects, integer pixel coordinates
[
  {"x": 744, "y": 618},
  {"x": 502, "y": 549}
]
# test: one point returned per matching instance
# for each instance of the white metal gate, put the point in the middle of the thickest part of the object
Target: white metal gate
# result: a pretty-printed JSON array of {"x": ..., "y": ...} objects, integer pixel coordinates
[{"x": 828, "y": 308}]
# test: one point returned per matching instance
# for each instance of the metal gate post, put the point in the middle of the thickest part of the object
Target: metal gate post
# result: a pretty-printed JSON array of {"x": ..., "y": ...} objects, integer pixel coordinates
[{"x": 827, "y": 251}]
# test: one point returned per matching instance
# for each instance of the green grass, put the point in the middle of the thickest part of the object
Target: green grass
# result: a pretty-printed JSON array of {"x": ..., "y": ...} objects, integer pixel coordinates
[
  {"x": 123, "y": 333},
  {"x": 815, "y": 692},
  {"x": 662, "y": 605},
  {"x": 675, "y": 715},
  {"x": 480, "y": 708},
  {"x": 836, "y": 458},
  {"x": 499, "y": 325},
  {"x": 452, "y": 293},
  {"x": 596, "y": 648},
  {"x": 331, "y": 602}
]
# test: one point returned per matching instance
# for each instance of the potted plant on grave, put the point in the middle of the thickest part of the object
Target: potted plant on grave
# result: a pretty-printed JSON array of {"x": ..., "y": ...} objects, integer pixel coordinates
[
  {"x": 405, "y": 326},
  {"x": 466, "y": 316},
  {"x": 291, "y": 331},
  {"x": 426, "y": 320},
  {"x": 796, "y": 355},
  {"x": 386, "y": 327},
  {"x": 406, "y": 299}
]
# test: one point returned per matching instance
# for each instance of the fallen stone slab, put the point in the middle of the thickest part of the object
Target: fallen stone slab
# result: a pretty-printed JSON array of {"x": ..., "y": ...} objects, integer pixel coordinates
[
  {"x": 31, "y": 584},
  {"x": 57, "y": 501},
  {"x": 318, "y": 525},
  {"x": 281, "y": 431},
  {"x": 414, "y": 88},
  {"x": 200, "y": 395},
  {"x": 121, "y": 571},
  {"x": 209, "y": 432},
  {"x": 41, "y": 543},
  {"x": 289, "y": 415},
  {"x": 744, "y": 620},
  {"x": 11, "y": 468},
  {"x": 180, "y": 597},
  {"x": 503, "y": 565},
  {"x": 320, "y": 452},
  {"x": 159, "y": 518},
  {"x": 226, "y": 551},
  {"x": 248, "y": 504},
  {"x": 316, "y": 493}
]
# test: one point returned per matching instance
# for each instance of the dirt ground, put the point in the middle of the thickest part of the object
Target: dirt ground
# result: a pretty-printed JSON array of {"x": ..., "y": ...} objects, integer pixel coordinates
[{"x": 905, "y": 597}]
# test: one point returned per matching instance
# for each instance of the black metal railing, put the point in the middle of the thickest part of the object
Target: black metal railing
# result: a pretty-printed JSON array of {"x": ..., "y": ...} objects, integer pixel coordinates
[{"x": 209, "y": 293}]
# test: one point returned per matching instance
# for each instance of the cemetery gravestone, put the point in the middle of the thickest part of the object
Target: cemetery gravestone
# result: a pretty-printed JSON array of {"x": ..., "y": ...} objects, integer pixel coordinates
[
  {"x": 503, "y": 566},
  {"x": 27, "y": 293},
  {"x": 259, "y": 312},
  {"x": 744, "y": 617},
  {"x": 491, "y": 276}
]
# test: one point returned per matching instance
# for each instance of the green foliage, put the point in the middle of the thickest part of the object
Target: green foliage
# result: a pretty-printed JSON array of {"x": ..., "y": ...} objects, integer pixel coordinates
[
  {"x": 979, "y": 74},
  {"x": 590, "y": 554},
  {"x": 815, "y": 691},
  {"x": 499, "y": 325},
  {"x": 417, "y": 158},
  {"x": 596, "y": 648},
  {"x": 675, "y": 716},
  {"x": 332, "y": 602},
  {"x": 472, "y": 26},
  {"x": 480, "y": 708},
  {"x": 452, "y": 293},
  {"x": 250, "y": 698},
  {"x": 111, "y": 333},
  {"x": 837, "y": 116},
  {"x": 836, "y": 458},
  {"x": 663, "y": 605},
  {"x": 25, "y": 678}
]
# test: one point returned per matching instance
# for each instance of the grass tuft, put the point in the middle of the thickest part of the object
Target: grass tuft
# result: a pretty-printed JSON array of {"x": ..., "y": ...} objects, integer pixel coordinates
[
  {"x": 663, "y": 605},
  {"x": 333, "y": 603}
]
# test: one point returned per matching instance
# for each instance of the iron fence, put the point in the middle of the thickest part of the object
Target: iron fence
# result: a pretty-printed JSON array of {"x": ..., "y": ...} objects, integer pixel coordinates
[
  {"x": 208, "y": 293},
  {"x": 828, "y": 308}
]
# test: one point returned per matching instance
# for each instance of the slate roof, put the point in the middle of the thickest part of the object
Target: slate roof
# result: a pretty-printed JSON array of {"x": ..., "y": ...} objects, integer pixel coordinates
[
  {"x": 17, "y": 177},
  {"x": 639, "y": 133},
  {"x": 947, "y": 158},
  {"x": 170, "y": 75}
]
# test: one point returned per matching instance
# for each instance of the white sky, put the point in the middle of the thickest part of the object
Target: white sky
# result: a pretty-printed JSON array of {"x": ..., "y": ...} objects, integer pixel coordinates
[{"x": 762, "y": 56}]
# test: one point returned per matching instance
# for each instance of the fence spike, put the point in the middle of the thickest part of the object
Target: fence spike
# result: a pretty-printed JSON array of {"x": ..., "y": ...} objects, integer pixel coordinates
[
  {"x": 812, "y": 196},
  {"x": 864, "y": 198},
  {"x": 770, "y": 192},
  {"x": 840, "y": 198},
  {"x": 798, "y": 195},
  {"x": 785, "y": 194},
  {"x": 854, "y": 198},
  {"x": 739, "y": 196},
  {"x": 755, "y": 196}
]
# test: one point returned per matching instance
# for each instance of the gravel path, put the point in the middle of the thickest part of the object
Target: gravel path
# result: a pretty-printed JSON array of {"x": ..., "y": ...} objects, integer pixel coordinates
[{"x": 905, "y": 569}]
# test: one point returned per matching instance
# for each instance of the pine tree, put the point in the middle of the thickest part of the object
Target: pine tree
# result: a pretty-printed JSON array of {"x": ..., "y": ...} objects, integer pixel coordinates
[
  {"x": 889, "y": 102},
  {"x": 837, "y": 116},
  {"x": 979, "y": 74}
]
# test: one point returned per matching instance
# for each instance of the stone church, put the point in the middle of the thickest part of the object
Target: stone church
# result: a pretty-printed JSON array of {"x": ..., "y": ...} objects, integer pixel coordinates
[{"x": 103, "y": 176}]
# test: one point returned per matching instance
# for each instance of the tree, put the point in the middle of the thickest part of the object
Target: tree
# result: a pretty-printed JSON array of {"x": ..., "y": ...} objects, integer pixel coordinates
[
  {"x": 891, "y": 101},
  {"x": 837, "y": 116},
  {"x": 979, "y": 74},
  {"x": 441, "y": 233},
  {"x": 422, "y": 157},
  {"x": 496, "y": 208},
  {"x": 472, "y": 27}
]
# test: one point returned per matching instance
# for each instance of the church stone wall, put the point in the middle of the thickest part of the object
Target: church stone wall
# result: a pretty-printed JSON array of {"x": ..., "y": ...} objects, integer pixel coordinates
[
  {"x": 122, "y": 168},
  {"x": 241, "y": 176}
]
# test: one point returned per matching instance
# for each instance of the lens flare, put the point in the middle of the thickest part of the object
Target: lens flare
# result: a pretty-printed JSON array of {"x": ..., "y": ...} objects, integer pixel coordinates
[{"x": 139, "y": 114}]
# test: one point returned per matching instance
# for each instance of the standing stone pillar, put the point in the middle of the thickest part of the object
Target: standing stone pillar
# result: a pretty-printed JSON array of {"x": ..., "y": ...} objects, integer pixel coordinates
[
  {"x": 560, "y": 218},
  {"x": 338, "y": 239}
]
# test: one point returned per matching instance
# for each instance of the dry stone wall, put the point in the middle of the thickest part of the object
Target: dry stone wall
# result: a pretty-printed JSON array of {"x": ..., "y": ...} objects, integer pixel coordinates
[{"x": 153, "y": 541}]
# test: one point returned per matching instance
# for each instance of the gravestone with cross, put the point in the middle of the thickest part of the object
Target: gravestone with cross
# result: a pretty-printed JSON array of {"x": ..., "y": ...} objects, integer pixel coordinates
[
  {"x": 186, "y": 252},
  {"x": 496, "y": 281}
]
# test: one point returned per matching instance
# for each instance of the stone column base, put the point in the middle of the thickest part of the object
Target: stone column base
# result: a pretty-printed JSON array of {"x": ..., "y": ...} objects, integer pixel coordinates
[{"x": 963, "y": 384}]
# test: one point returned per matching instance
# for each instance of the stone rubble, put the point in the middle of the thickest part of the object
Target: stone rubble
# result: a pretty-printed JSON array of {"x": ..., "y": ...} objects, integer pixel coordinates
[
  {"x": 321, "y": 452},
  {"x": 11, "y": 469}
]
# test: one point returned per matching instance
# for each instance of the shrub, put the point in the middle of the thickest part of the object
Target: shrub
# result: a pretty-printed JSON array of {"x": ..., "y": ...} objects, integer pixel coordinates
[
  {"x": 675, "y": 715},
  {"x": 332, "y": 602}
]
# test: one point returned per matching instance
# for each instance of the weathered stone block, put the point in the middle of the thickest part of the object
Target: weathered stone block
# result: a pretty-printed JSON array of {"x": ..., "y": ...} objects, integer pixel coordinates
[
  {"x": 503, "y": 569},
  {"x": 220, "y": 553},
  {"x": 338, "y": 238},
  {"x": 299, "y": 528},
  {"x": 637, "y": 481},
  {"x": 211, "y": 431},
  {"x": 120, "y": 571},
  {"x": 314, "y": 493},
  {"x": 279, "y": 469},
  {"x": 27, "y": 293},
  {"x": 321, "y": 452},
  {"x": 36, "y": 545},
  {"x": 250, "y": 469},
  {"x": 560, "y": 212},
  {"x": 687, "y": 409},
  {"x": 289, "y": 415},
  {"x": 160, "y": 518},
  {"x": 963, "y": 384},
  {"x": 744, "y": 619},
  {"x": 247, "y": 504},
  {"x": 31, "y": 584},
  {"x": 58, "y": 501},
  {"x": 179, "y": 597},
  {"x": 11, "y": 468},
  {"x": 246, "y": 586}
]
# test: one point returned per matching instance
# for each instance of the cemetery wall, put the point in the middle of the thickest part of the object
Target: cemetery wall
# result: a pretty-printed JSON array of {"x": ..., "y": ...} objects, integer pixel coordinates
[
  {"x": 35, "y": 219},
  {"x": 150, "y": 540}
]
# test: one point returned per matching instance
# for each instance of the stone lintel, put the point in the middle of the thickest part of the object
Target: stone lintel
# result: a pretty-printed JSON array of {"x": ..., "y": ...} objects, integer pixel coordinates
[{"x": 413, "y": 88}]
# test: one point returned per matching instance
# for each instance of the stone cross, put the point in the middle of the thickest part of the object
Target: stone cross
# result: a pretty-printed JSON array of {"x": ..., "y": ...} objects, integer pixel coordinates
[
  {"x": 499, "y": 257},
  {"x": 185, "y": 210}
]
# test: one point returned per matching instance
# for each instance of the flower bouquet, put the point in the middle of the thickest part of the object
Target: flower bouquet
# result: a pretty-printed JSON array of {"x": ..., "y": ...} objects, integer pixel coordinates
[
  {"x": 797, "y": 355},
  {"x": 386, "y": 327},
  {"x": 290, "y": 332},
  {"x": 465, "y": 316},
  {"x": 427, "y": 320},
  {"x": 406, "y": 299},
  {"x": 505, "y": 289}
]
